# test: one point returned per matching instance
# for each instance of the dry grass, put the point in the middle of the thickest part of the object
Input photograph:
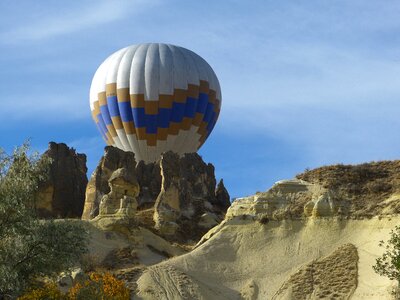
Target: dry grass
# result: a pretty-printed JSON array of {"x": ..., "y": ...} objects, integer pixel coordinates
[{"x": 360, "y": 189}]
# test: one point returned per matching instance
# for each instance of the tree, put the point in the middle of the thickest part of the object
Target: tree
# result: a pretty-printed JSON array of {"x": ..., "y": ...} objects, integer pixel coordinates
[
  {"x": 389, "y": 263},
  {"x": 31, "y": 248}
]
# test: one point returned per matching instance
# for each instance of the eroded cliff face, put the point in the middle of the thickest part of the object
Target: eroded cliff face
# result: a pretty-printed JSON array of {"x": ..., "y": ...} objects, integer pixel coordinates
[
  {"x": 188, "y": 203},
  {"x": 301, "y": 239},
  {"x": 176, "y": 197},
  {"x": 62, "y": 195},
  {"x": 312, "y": 237}
]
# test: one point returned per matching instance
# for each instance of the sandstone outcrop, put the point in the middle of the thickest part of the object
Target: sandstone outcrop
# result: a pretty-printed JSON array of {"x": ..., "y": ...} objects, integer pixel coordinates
[
  {"x": 361, "y": 190},
  {"x": 298, "y": 240},
  {"x": 117, "y": 209},
  {"x": 62, "y": 194},
  {"x": 176, "y": 197},
  {"x": 98, "y": 185},
  {"x": 287, "y": 199},
  {"x": 188, "y": 199}
]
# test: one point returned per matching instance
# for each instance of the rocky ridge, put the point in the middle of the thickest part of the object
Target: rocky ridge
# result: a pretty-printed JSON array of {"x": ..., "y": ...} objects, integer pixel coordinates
[{"x": 177, "y": 197}]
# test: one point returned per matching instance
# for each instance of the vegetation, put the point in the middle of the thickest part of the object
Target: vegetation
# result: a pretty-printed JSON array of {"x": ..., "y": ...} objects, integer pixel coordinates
[
  {"x": 389, "y": 263},
  {"x": 49, "y": 291},
  {"x": 31, "y": 249},
  {"x": 361, "y": 190},
  {"x": 102, "y": 286}
]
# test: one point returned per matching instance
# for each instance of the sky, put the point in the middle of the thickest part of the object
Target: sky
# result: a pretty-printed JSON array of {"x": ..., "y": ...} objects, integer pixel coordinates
[{"x": 304, "y": 83}]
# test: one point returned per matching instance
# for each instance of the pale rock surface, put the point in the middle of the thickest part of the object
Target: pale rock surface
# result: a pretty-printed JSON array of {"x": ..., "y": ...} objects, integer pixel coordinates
[
  {"x": 121, "y": 199},
  {"x": 65, "y": 282},
  {"x": 145, "y": 247},
  {"x": 117, "y": 209},
  {"x": 286, "y": 199},
  {"x": 267, "y": 246},
  {"x": 98, "y": 185},
  {"x": 148, "y": 177},
  {"x": 333, "y": 277}
]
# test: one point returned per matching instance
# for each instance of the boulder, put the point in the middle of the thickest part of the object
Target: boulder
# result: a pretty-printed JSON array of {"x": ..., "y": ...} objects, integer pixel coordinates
[{"x": 62, "y": 194}]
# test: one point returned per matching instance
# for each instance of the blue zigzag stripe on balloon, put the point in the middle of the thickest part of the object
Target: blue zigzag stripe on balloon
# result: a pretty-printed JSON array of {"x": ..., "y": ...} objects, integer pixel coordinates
[{"x": 163, "y": 119}]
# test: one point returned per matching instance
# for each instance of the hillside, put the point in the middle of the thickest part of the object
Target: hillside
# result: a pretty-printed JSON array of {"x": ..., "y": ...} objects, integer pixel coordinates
[
  {"x": 364, "y": 189},
  {"x": 312, "y": 237},
  {"x": 306, "y": 238}
]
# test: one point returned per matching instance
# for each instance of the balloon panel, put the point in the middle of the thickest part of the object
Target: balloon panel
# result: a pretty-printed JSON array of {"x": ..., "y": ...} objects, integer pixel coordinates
[{"x": 152, "y": 98}]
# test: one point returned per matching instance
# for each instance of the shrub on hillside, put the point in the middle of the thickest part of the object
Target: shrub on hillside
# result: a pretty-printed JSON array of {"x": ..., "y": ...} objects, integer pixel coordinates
[
  {"x": 389, "y": 263},
  {"x": 100, "y": 286},
  {"x": 49, "y": 291},
  {"x": 31, "y": 248}
]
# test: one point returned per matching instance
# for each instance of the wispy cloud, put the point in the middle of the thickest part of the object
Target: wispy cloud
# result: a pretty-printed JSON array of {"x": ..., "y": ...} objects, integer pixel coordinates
[
  {"x": 87, "y": 15},
  {"x": 44, "y": 108},
  {"x": 315, "y": 81}
]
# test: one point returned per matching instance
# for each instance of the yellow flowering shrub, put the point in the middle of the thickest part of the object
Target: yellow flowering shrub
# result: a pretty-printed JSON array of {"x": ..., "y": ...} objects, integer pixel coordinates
[
  {"x": 49, "y": 291},
  {"x": 99, "y": 286},
  {"x": 102, "y": 286}
]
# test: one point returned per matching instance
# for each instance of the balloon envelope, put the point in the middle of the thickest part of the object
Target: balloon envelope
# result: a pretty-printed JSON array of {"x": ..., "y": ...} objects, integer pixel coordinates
[{"x": 153, "y": 98}]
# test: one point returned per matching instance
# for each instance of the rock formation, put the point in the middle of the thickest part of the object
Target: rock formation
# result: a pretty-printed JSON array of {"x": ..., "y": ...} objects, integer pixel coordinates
[
  {"x": 359, "y": 190},
  {"x": 311, "y": 237},
  {"x": 62, "y": 194},
  {"x": 222, "y": 198},
  {"x": 177, "y": 196},
  {"x": 117, "y": 209},
  {"x": 287, "y": 199},
  {"x": 149, "y": 179},
  {"x": 188, "y": 200},
  {"x": 98, "y": 185},
  {"x": 121, "y": 200}
]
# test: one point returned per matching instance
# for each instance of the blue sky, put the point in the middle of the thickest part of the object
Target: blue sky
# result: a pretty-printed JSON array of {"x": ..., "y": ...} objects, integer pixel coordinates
[{"x": 304, "y": 83}]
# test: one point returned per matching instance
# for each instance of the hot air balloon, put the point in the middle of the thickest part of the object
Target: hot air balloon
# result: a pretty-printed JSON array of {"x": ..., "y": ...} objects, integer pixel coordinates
[{"x": 152, "y": 98}]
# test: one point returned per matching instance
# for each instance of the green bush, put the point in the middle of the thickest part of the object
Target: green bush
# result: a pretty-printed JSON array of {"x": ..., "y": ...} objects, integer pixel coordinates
[
  {"x": 31, "y": 248},
  {"x": 389, "y": 263}
]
